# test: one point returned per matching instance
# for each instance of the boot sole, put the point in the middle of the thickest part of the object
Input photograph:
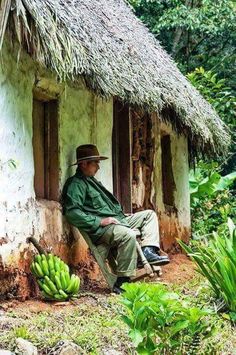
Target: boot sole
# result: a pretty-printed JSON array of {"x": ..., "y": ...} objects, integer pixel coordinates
[
  {"x": 161, "y": 263},
  {"x": 158, "y": 263}
]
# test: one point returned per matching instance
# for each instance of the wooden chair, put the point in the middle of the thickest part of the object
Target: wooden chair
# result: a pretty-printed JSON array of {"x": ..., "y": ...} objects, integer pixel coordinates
[{"x": 109, "y": 271}]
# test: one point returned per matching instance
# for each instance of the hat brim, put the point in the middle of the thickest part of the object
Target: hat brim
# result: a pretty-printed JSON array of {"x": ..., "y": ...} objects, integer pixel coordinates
[{"x": 95, "y": 157}]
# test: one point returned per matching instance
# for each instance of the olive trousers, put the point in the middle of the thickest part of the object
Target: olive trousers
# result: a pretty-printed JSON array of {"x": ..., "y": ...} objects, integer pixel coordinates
[{"x": 121, "y": 240}]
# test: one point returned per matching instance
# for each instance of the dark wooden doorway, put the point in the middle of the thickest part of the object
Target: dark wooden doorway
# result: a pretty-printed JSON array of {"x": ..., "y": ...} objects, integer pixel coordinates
[
  {"x": 121, "y": 152},
  {"x": 45, "y": 149}
]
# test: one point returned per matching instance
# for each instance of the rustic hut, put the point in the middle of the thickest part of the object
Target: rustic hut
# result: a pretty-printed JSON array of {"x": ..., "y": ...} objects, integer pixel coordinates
[{"x": 75, "y": 72}]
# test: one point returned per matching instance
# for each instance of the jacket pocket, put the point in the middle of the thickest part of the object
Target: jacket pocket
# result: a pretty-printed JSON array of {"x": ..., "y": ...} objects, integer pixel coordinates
[{"x": 96, "y": 200}]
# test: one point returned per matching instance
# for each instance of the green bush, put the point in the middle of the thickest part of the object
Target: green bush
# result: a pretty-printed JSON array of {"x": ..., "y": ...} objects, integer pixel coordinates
[
  {"x": 216, "y": 260},
  {"x": 212, "y": 199},
  {"x": 160, "y": 322}
]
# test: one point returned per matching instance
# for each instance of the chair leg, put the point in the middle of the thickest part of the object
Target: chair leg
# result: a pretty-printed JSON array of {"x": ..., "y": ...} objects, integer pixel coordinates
[
  {"x": 148, "y": 270},
  {"x": 144, "y": 261}
]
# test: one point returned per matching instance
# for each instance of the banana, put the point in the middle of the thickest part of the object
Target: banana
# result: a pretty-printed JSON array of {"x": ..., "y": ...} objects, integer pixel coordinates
[
  {"x": 39, "y": 270},
  {"x": 40, "y": 283},
  {"x": 50, "y": 284},
  {"x": 63, "y": 293},
  {"x": 49, "y": 256},
  {"x": 47, "y": 289},
  {"x": 63, "y": 280},
  {"x": 57, "y": 265},
  {"x": 46, "y": 296},
  {"x": 67, "y": 277},
  {"x": 56, "y": 259},
  {"x": 71, "y": 286},
  {"x": 58, "y": 282},
  {"x": 52, "y": 275},
  {"x": 67, "y": 269},
  {"x": 50, "y": 263},
  {"x": 61, "y": 262},
  {"x": 45, "y": 267},
  {"x": 33, "y": 269},
  {"x": 77, "y": 285},
  {"x": 59, "y": 297},
  {"x": 38, "y": 259}
]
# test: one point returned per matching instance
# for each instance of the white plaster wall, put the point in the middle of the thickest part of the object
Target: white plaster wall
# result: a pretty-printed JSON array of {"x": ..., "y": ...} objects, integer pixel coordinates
[
  {"x": 16, "y": 193},
  {"x": 15, "y": 130},
  {"x": 180, "y": 166},
  {"x": 85, "y": 118},
  {"x": 80, "y": 112}
]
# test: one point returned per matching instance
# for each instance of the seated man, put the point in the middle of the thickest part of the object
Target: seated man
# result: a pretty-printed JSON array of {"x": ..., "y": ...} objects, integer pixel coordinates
[{"x": 90, "y": 207}]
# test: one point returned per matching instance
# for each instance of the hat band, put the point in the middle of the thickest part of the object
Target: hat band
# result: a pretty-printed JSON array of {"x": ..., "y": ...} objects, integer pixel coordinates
[{"x": 91, "y": 157}]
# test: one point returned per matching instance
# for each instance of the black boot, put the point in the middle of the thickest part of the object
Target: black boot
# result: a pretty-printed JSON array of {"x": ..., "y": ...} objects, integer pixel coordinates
[
  {"x": 117, "y": 286},
  {"x": 153, "y": 258}
]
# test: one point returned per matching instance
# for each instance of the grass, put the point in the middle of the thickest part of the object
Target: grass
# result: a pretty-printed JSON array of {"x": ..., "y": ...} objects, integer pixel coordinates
[
  {"x": 92, "y": 326},
  {"x": 96, "y": 326}
]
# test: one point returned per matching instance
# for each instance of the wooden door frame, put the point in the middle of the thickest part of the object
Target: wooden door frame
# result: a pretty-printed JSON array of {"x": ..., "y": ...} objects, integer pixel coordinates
[{"x": 122, "y": 154}]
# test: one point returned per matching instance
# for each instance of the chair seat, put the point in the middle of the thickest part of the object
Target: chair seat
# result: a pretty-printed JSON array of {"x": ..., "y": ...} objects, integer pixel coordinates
[{"x": 109, "y": 272}]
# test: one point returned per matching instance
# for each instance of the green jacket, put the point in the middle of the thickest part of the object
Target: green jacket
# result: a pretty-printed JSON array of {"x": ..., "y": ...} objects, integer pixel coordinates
[{"x": 86, "y": 202}]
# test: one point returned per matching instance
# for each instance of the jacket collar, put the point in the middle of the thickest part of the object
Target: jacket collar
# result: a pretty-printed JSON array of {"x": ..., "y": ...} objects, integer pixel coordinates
[{"x": 80, "y": 174}]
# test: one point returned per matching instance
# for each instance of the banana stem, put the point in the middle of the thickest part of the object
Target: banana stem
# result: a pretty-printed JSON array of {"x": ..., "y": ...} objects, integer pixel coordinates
[{"x": 36, "y": 245}]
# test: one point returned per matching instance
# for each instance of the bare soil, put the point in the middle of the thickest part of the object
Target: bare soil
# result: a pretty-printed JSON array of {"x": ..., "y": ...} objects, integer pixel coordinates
[{"x": 179, "y": 271}]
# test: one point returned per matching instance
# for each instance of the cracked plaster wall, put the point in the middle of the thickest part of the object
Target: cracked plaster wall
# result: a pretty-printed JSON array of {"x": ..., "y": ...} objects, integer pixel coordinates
[{"x": 83, "y": 118}]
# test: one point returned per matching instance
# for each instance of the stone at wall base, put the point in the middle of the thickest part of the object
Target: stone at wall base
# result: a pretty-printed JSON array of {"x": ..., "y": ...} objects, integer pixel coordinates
[
  {"x": 66, "y": 347},
  {"x": 25, "y": 347}
]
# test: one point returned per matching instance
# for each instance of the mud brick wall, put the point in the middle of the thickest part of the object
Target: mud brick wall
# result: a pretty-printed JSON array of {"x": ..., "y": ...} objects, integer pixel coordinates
[{"x": 148, "y": 184}]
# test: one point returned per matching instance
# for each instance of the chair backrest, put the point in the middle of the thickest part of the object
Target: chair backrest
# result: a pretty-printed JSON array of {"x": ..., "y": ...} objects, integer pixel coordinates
[{"x": 109, "y": 277}]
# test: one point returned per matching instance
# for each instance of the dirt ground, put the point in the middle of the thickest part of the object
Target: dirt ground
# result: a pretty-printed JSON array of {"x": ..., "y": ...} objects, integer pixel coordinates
[
  {"x": 179, "y": 271},
  {"x": 97, "y": 313}
]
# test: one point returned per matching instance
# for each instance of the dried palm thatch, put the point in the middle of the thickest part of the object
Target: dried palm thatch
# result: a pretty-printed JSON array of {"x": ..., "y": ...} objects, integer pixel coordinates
[{"x": 103, "y": 41}]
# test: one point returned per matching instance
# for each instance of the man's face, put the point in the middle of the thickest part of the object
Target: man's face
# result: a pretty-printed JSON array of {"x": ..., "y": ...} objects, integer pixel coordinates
[{"x": 90, "y": 168}]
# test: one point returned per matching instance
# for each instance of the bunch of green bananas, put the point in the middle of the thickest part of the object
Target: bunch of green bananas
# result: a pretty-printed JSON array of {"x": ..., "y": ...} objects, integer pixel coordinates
[{"x": 53, "y": 277}]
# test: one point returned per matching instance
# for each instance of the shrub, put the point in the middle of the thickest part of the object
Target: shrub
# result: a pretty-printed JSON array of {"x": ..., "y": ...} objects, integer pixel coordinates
[
  {"x": 212, "y": 199},
  {"x": 160, "y": 322},
  {"x": 216, "y": 260}
]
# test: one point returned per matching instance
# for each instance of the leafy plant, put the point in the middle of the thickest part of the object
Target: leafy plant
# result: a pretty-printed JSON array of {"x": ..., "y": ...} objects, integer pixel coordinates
[
  {"x": 216, "y": 260},
  {"x": 202, "y": 186},
  {"x": 215, "y": 91},
  {"x": 22, "y": 332},
  {"x": 160, "y": 322},
  {"x": 222, "y": 98},
  {"x": 212, "y": 199}
]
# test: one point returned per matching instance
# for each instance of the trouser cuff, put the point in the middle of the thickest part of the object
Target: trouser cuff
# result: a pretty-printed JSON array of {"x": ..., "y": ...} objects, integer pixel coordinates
[{"x": 146, "y": 244}]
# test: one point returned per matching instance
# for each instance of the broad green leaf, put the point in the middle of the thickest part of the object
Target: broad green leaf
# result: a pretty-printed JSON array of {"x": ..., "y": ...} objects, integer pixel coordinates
[{"x": 136, "y": 336}]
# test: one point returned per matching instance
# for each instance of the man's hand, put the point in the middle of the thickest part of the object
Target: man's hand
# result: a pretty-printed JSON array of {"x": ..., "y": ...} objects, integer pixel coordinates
[{"x": 109, "y": 220}]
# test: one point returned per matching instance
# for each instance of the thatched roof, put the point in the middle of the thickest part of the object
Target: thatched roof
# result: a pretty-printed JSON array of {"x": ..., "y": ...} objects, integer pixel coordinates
[{"x": 116, "y": 54}]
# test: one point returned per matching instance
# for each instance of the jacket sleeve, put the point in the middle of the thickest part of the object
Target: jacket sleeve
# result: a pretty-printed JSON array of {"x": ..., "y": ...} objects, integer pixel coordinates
[{"x": 74, "y": 201}]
